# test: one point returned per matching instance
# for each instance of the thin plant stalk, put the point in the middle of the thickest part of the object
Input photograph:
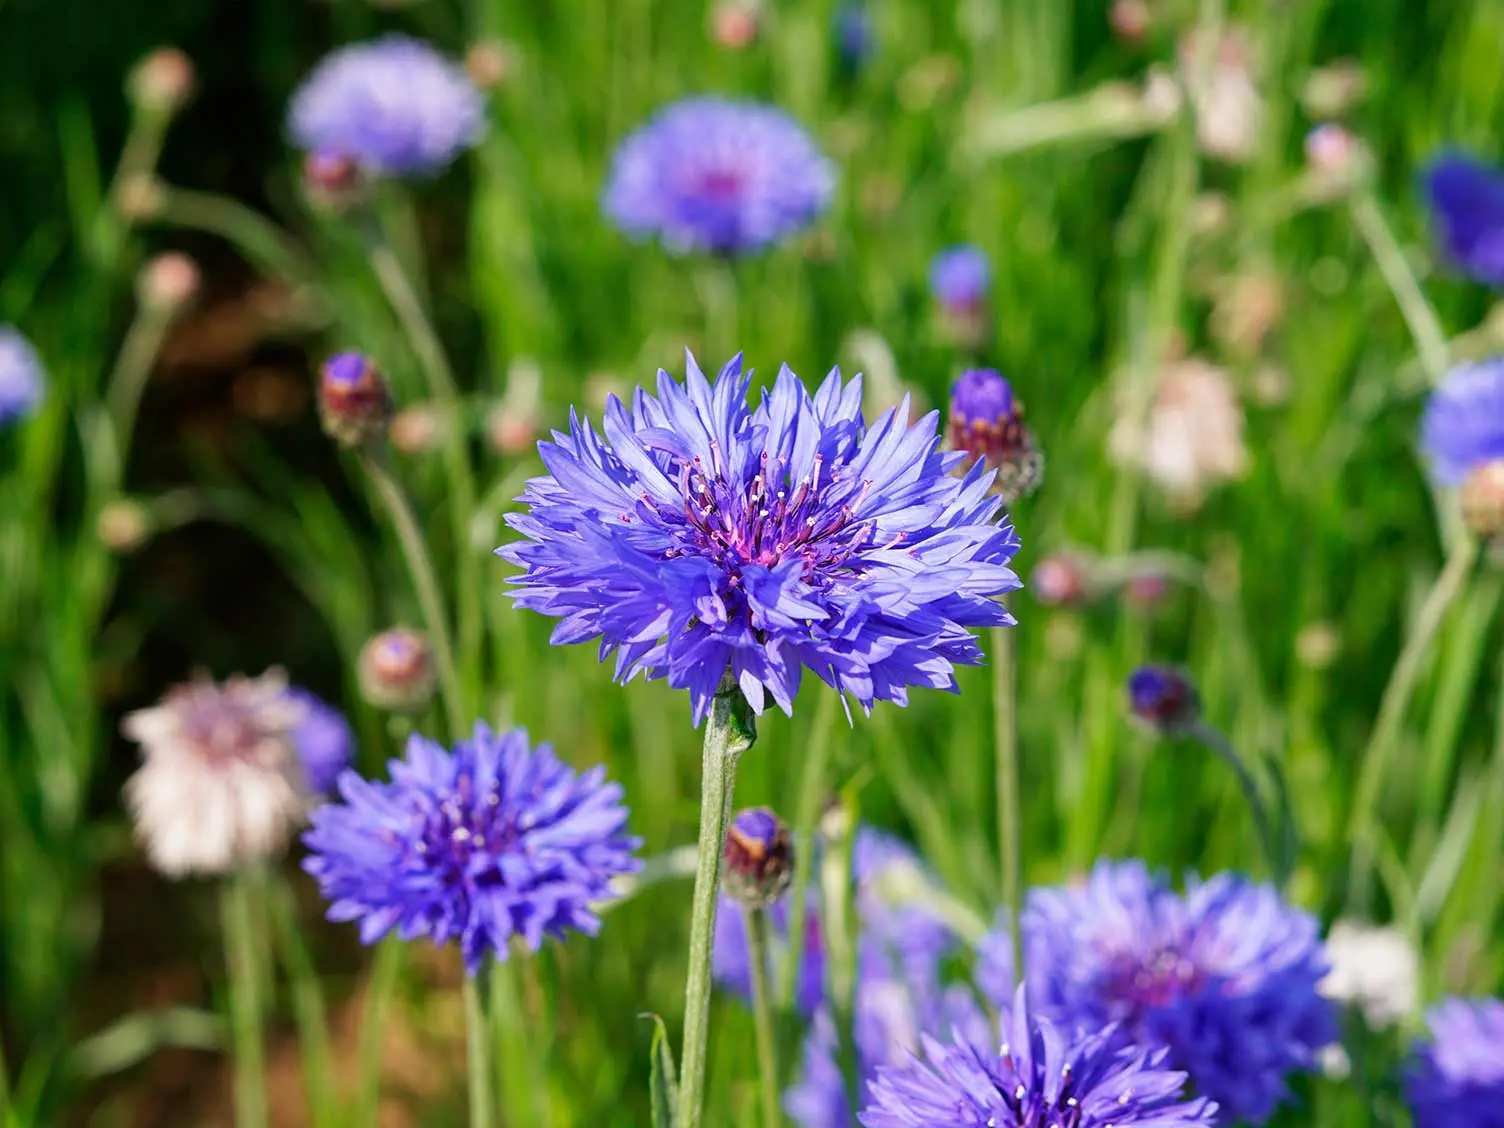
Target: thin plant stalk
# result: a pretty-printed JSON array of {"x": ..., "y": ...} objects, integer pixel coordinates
[
  {"x": 243, "y": 956},
  {"x": 1005, "y": 750},
  {"x": 262, "y": 242},
  {"x": 308, "y": 1006},
  {"x": 806, "y": 810},
  {"x": 521, "y": 1073},
  {"x": 478, "y": 1053},
  {"x": 425, "y": 583},
  {"x": 1274, "y": 853},
  {"x": 838, "y": 920},
  {"x": 408, "y": 306},
  {"x": 1363, "y": 826},
  {"x": 762, "y": 1014},
  {"x": 385, "y": 971},
  {"x": 726, "y": 738},
  {"x": 1425, "y": 327},
  {"x": 143, "y": 340}
]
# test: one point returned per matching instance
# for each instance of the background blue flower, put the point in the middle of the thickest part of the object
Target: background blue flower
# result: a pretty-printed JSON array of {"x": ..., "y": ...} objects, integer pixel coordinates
[
  {"x": 1463, "y": 424},
  {"x": 323, "y": 740},
  {"x": 1456, "y": 1076},
  {"x": 960, "y": 277},
  {"x": 21, "y": 376},
  {"x": 1466, "y": 198}
]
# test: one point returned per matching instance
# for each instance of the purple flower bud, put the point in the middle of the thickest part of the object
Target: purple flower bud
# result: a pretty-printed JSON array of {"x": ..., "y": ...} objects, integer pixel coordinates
[
  {"x": 355, "y": 404},
  {"x": 987, "y": 422},
  {"x": 396, "y": 670},
  {"x": 759, "y": 857},
  {"x": 1482, "y": 500},
  {"x": 1163, "y": 699},
  {"x": 332, "y": 181}
]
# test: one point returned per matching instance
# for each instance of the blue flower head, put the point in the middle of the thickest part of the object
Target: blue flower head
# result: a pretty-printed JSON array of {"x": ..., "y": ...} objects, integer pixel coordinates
[
  {"x": 852, "y": 29},
  {"x": 1163, "y": 699},
  {"x": 699, "y": 534},
  {"x": 323, "y": 740},
  {"x": 1456, "y": 1076},
  {"x": 1466, "y": 198},
  {"x": 1463, "y": 425},
  {"x": 491, "y": 841},
  {"x": 395, "y": 106},
  {"x": 959, "y": 278},
  {"x": 1041, "y": 1076},
  {"x": 710, "y": 174},
  {"x": 21, "y": 377},
  {"x": 1224, "y": 977}
]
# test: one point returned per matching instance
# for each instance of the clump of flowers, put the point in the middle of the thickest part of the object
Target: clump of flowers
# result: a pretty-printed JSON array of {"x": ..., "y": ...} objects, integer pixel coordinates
[
  {"x": 701, "y": 535},
  {"x": 492, "y": 841},
  {"x": 21, "y": 377},
  {"x": 987, "y": 424},
  {"x": 1466, "y": 198},
  {"x": 224, "y": 781},
  {"x": 1041, "y": 1076},
  {"x": 394, "y": 106},
  {"x": 1224, "y": 978},
  {"x": 712, "y": 174},
  {"x": 1456, "y": 1075}
]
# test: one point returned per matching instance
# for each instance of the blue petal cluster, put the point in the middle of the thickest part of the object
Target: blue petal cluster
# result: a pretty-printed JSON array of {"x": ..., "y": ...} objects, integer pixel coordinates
[
  {"x": 1456, "y": 1076},
  {"x": 1223, "y": 977},
  {"x": 703, "y": 534},
  {"x": 1041, "y": 1076},
  {"x": 323, "y": 740},
  {"x": 960, "y": 277},
  {"x": 711, "y": 174},
  {"x": 21, "y": 377},
  {"x": 395, "y": 106},
  {"x": 492, "y": 841},
  {"x": 1463, "y": 425},
  {"x": 1466, "y": 198}
]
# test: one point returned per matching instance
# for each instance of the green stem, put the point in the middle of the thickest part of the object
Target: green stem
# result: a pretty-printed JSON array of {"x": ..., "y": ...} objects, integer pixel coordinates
[
  {"x": 726, "y": 738},
  {"x": 143, "y": 340},
  {"x": 1363, "y": 825},
  {"x": 420, "y": 332},
  {"x": 523, "y": 1074},
  {"x": 242, "y": 954},
  {"x": 385, "y": 972},
  {"x": 420, "y": 567},
  {"x": 1425, "y": 327},
  {"x": 762, "y": 1014},
  {"x": 1005, "y": 745},
  {"x": 1215, "y": 742},
  {"x": 806, "y": 811},
  {"x": 478, "y": 1054},
  {"x": 260, "y": 240},
  {"x": 308, "y": 1006}
]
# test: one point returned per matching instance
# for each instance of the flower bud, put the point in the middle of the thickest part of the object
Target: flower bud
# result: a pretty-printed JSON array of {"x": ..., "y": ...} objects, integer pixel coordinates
[
  {"x": 1063, "y": 580},
  {"x": 960, "y": 279},
  {"x": 139, "y": 197},
  {"x": 987, "y": 422},
  {"x": 419, "y": 428},
  {"x": 488, "y": 63},
  {"x": 331, "y": 181},
  {"x": 168, "y": 283},
  {"x": 355, "y": 404},
  {"x": 1164, "y": 699},
  {"x": 759, "y": 857},
  {"x": 162, "y": 82},
  {"x": 396, "y": 670},
  {"x": 1130, "y": 19},
  {"x": 1330, "y": 149},
  {"x": 1146, "y": 589},
  {"x": 734, "y": 24},
  {"x": 1334, "y": 89},
  {"x": 1482, "y": 500},
  {"x": 123, "y": 526}
]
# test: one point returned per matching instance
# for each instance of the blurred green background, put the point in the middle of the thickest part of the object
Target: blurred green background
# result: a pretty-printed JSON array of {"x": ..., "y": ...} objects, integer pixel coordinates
[{"x": 258, "y": 545}]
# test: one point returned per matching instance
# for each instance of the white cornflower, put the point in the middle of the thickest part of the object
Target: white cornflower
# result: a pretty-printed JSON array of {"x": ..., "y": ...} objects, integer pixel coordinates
[
  {"x": 1192, "y": 436},
  {"x": 1373, "y": 969}
]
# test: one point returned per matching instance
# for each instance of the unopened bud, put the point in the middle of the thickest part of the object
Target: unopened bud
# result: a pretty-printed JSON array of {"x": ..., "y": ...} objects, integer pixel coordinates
[
  {"x": 355, "y": 404},
  {"x": 139, "y": 197},
  {"x": 1063, "y": 580},
  {"x": 513, "y": 423},
  {"x": 168, "y": 283},
  {"x": 1317, "y": 645},
  {"x": 734, "y": 24},
  {"x": 1334, "y": 89},
  {"x": 488, "y": 63},
  {"x": 331, "y": 181},
  {"x": 1163, "y": 699},
  {"x": 1482, "y": 500},
  {"x": 987, "y": 422},
  {"x": 162, "y": 82},
  {"x": 759, "y": 857},
  {"x": 123, "y": 526},
  {"x": 1130, "y": 19},
  {"x": 1146, "y": 589},
  {"x": 396, "y": 670},
  {"x": 418, "y": 428}
]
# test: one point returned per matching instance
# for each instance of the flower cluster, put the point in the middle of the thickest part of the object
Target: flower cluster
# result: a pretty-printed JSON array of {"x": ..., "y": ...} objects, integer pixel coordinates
[
  {"x": 703, "y": 534},
  {"x": 491, "y": 841},
  {"x": 710, "y": 174}
]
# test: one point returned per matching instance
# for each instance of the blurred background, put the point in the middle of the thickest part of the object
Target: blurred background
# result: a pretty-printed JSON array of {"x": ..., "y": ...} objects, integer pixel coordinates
[{"x": 1216, "y": 278}]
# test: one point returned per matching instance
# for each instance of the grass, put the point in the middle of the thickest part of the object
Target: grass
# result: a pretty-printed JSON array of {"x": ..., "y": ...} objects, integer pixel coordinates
[{"x": 1097, "y": 262}]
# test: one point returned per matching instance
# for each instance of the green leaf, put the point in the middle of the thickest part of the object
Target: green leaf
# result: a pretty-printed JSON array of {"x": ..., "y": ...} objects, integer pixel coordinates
[{"x": 663, "y": 1086}]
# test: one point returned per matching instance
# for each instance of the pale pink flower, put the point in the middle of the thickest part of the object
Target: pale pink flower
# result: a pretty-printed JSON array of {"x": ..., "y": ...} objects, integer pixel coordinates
[{"x": 1192, "y": 435}]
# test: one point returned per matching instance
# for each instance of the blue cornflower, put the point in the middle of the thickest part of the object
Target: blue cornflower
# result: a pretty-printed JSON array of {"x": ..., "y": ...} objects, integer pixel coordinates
[
  {"x": 1456, "y": 1077},
  {"x": 21, "y": 376},
  {"x": 492, "y": 841},
  {"x": 852, "y": 28},
  {"x": 1224, "y": 977},
  {"x": 1041, "y": 1076},
  {"x": 710, "y": 535},
  {"x": 711, "y": 174},
  {"x": 323, "y": 740},
  {"x": 1163, "y": 699},
  {"x": 395, "y": 106},
  {"x": 1466, "y": 198},
  {"x": 1463, "y": 425},
  {"x": 959, "y": 279}
]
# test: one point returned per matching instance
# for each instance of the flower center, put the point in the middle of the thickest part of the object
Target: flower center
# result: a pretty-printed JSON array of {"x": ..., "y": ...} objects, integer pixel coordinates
[
  {"x": 1140, "y": 983},
  {"x": 465, "y": 829},
  {"x": 224, "y": 731},
  {"x": 721, "y": 183}
]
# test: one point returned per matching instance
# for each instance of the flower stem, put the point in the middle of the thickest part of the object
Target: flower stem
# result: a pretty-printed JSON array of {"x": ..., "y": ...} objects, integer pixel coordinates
[
  {"x": 385, "y": 970},
  {"x": 762, "y": 1014},
  {"x": 806, "y": 811},
  {"x": 727, "y": 736},
  {"x": 1005, "y": 742},
  {"x": 1363, "y": 826},
  {"x": 420, "y": 566},
  {"x": 1274, "y": 853},
  {"x": 523, "y": 1073},
  {"x": 1425, "y": 327},
  {"x": 243, "y": 958},
  {"x": 478, "y": 1054}
]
